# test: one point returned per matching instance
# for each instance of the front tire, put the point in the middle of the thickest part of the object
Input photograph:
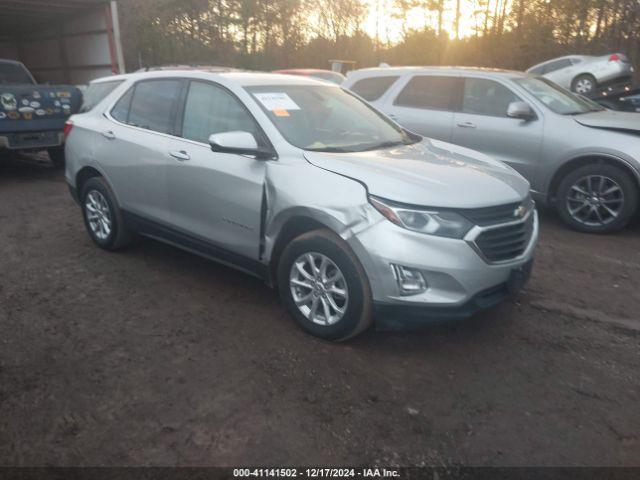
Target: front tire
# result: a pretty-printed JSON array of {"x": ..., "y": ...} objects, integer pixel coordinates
[
  {"x": 324, "y": 286},
  {"x": 597, "y": 198},
  {"x": 102, "y": 216},
  {"x": 584, "y": 84}
]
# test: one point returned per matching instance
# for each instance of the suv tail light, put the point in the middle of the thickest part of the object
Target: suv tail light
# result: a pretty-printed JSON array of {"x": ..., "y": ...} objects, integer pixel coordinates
[
  {"x": 67, "y": 128},
  {"x": 614, "y": 58}
]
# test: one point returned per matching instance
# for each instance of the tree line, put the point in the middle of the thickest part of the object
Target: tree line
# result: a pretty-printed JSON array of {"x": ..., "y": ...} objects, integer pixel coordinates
[{"x": 270, "y": 34}]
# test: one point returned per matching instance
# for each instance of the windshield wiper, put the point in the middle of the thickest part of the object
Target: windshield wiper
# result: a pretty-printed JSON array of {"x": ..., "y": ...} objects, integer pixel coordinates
[{"x": 330, "y": 150}]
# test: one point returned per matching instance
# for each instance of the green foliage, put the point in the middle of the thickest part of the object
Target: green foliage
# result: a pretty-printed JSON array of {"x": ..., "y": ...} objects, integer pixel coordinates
[{"x": 270, "y": 34}]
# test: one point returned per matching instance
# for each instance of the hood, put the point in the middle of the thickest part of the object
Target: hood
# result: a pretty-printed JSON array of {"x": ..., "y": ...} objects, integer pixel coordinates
[
  {"x": 430, "y": 173},
  {"x": 608, "y": 119}
]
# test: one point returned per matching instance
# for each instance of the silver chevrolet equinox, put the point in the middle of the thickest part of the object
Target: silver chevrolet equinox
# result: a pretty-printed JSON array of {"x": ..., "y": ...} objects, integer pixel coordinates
[{"x": 301, "y": 183}]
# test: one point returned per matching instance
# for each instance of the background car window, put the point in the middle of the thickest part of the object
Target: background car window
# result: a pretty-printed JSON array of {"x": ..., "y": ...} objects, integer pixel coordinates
[
  {"x": 556, "y": 98},
  {"x": 557, "y": 65},
  {"x": 486, "y": 97},
  {"x": 153, "y": 105},
  {"x": 373, "y": 88},
  {"x": 120, "y": 111},
  {"x": 430, "y": 92},
  {"x": 210, "y": 109},
  {"x": 96, "y": 92},
  {"x": 14, "y": 74},
  {"x": 538, "y": 70}
]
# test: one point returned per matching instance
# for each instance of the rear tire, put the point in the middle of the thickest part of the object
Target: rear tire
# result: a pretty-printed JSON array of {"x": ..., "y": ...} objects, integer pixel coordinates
[
  {"x": 56, "y": 154},
  {"x": 584, "y": 84},
  {"x": 597, "y": 198},
  {"x": 351, "y": 293},
  {"x": 102, "y": 216}
]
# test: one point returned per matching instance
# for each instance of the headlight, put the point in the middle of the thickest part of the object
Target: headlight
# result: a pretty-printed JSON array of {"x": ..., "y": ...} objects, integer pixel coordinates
[{"x": 441, "y": 223}]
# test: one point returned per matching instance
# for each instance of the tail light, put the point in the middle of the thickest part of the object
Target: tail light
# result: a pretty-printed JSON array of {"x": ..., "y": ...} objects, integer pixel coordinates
[
  {"x": 67, "y": 128},
  {"x": 614, "y": 58}
]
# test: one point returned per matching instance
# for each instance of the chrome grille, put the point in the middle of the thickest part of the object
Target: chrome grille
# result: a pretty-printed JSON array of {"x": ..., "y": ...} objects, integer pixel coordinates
[
  {"x": 496, "y": 215},
  {"x": 505, "y": 243}
]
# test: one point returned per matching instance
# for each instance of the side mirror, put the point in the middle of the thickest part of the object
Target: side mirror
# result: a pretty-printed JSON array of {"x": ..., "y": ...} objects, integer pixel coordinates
[
  {"x": 240, "y": 143},
  {"x": 520, "y": 110}
]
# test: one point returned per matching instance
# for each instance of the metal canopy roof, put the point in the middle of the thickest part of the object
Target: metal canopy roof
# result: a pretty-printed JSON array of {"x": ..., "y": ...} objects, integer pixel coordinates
[{"x": 27, "y": 17}]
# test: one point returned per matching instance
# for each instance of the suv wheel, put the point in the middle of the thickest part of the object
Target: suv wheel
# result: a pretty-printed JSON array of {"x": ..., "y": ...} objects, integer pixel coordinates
[
  {"x": 597, "y": 199},
  {"x": 56, "y": 154},
  {"x": 102, "y": 217},
  {"x": 324, "y": 287},
  {"x": 584, "y": 84}
]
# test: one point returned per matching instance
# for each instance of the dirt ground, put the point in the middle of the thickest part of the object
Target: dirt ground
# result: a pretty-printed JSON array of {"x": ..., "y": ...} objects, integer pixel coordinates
[{"x": 153, "y": 356}]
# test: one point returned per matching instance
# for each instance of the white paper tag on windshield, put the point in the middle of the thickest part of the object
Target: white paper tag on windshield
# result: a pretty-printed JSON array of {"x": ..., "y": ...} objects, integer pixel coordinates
[{"x": 276, "y": 101}]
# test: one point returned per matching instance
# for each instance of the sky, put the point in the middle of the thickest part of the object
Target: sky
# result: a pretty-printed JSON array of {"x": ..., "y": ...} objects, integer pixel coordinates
[{"x": 391, "y": 28}]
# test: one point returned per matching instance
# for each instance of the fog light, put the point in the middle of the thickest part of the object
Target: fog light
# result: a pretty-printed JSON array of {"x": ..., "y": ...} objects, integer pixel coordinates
[{"x": 410, "y": 280}]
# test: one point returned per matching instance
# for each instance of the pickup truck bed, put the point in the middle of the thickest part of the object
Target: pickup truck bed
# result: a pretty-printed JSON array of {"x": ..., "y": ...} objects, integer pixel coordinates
[{"x": 32, "y": 116}]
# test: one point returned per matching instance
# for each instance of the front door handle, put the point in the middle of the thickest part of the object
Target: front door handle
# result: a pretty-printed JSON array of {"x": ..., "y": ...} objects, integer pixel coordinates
[
  {"x": 180, "y": 155},
  {"x": 467, "y": 125},
  {"x": 109, "y": 135}
]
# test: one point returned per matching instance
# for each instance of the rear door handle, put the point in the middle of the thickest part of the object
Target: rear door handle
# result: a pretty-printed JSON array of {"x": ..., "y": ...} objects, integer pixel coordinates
[
  {"x": 180, "y": 155},
  {"x": 392, "y": 116},
  {"x": 467, "y": 125},
  {"x": 109, "y": 135}
]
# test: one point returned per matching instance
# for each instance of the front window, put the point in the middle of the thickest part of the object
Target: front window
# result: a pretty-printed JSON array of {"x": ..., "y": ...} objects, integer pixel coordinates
[
  {"x": 210, "y": 109},
  {"x": 327, "y": 119},
  {"x": 486, "y": 97},
  {"x": 556, "y": 98}
]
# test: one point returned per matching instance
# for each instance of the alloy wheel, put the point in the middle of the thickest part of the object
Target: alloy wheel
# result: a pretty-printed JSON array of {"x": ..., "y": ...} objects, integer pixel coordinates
[
  {"x": 584, "y": 85},
  {"x": 595, "y": 200},
  {"x": 318, "y": 288},
  {"x": 98, "y": 214}
]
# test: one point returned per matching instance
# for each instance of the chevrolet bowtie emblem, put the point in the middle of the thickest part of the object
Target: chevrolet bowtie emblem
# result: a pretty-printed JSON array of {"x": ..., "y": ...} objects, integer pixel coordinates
[{"x": 519, "y": 212}]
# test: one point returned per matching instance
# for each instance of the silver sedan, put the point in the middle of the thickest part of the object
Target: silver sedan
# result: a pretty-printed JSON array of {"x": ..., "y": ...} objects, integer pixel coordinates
[{"x": 583, "y": 73}]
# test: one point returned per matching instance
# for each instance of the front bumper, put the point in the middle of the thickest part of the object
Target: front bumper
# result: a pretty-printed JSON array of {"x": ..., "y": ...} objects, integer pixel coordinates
[
  {"x": 460, "y": 281},
  {"x": 395, "y": 316}
]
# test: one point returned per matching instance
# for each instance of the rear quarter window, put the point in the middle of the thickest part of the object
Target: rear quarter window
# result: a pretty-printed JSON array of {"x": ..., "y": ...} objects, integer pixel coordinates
[
  {"x": 96, "y": 93},
  {"x": 373, "y": 88}
]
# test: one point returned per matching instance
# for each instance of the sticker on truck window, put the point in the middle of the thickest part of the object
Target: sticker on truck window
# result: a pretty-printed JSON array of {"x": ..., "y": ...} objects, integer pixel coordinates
[
  {"x": 8, "y": 101},
  {"x": 277, "y": 102}
]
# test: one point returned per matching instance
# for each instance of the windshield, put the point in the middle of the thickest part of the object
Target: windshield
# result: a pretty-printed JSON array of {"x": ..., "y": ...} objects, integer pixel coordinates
[
  {"x": 14, "y": 74},
  {"x": 556, "y": 98},
  {"x": 327, "y": 119}
]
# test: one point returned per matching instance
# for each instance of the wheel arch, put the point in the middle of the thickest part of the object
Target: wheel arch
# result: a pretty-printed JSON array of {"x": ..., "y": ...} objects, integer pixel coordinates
[
  {"x": 84, "y": 174},
  {"x": 589, "y": 159},
  {"x": 296, "y": 225}
]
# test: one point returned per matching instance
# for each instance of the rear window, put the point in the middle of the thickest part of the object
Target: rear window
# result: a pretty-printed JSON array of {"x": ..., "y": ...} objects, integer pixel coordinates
[
  {"x": 96, "y": 92},
  {"x": 14, "y": 74},
  {"x": 373, "y": 88},
  {"x": 429, "y": 92}
]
